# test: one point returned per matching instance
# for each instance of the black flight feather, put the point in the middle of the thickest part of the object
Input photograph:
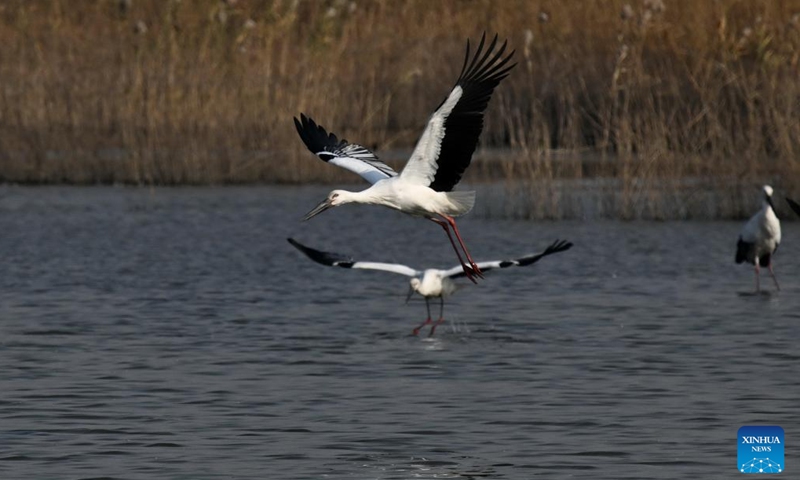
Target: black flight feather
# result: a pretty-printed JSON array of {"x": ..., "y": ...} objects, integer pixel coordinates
[
  {"x": 742, "y": 250},
  {"x": 325, "y": 258},
  {"x": 555, "y": 247},
  {"x": 327, "y": 146},
  {"x": 464, "y": 124}
]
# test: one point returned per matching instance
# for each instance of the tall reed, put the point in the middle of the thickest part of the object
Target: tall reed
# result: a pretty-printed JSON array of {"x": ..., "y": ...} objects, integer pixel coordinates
[{"x": 661, "y": 98}]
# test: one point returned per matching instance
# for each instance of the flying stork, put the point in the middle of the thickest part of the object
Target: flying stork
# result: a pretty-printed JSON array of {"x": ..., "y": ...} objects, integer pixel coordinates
[{"x": 443, "y": 152}]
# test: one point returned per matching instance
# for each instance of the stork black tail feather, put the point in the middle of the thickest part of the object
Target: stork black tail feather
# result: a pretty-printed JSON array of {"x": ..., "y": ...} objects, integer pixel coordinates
[{"x": 742, "y": 249}]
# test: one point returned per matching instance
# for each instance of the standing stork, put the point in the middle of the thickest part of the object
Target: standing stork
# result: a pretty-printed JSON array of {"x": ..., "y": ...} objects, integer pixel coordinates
[
  {"x": 442, "y": 154},
  {"x": 760, "y": 238},
  {"x": 430, "y": 283}
]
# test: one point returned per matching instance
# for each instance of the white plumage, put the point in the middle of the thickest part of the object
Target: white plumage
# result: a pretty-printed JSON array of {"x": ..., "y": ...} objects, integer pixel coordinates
[
  {"x": 429, "y": 283},
  {"x": 442, "y": 154},
  {"x": 760, "y": 238}
]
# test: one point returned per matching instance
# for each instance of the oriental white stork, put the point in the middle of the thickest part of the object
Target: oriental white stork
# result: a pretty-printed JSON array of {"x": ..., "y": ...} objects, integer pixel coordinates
[
  {"x": 760, "y": 238},
  {"x": 430, "y": 283},
  {"x": 442, "y": 154}
]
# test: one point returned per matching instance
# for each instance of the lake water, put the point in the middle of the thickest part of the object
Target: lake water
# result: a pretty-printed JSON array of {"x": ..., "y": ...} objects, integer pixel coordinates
[{"x": 175, "y": 334}]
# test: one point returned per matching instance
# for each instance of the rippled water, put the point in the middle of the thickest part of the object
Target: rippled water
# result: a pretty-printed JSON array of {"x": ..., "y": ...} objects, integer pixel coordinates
[{"x": 174, "y": 334}]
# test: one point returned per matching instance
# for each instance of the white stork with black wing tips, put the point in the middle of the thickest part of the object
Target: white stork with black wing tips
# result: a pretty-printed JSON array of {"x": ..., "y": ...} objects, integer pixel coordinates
[
  {"x": 430, "y": 283},
  {"x": 443, "y": 152},
  {"x": 760, "y": 238}
]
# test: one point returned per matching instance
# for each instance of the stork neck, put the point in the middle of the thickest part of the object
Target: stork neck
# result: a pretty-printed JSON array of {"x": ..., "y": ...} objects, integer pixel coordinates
[
  {"x": 345, "y": 196},
  {"x": 368, "y": 196}
]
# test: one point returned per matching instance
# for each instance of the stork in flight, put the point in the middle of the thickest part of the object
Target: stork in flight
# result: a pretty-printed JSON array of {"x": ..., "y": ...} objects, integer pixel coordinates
[
  {"x": 430, "y": 283},
  {"x": 443, "y": 152},
  {"x": 760, "y": 238}
]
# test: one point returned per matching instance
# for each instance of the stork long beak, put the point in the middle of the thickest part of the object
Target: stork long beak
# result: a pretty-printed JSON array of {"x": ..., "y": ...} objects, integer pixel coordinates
[
  {"x": 410, "y": 293},
  {"x": 324, "y": 205},
  {"x": 769, "y": 200},
  {"x": 795, "y": 206}
]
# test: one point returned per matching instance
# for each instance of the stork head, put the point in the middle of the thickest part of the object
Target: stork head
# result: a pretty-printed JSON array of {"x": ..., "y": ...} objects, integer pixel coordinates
[
  {"x": 768, "y": 196},
  {"x": 413, "y": 287},
  {"x": 335, "y": 198}
]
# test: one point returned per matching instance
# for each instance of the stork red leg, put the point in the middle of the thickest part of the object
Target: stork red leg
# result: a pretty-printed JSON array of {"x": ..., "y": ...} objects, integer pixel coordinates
[
  {"x": 427, "y": 321},
  {"x": 472, "y": 263},
  {"x": 433, "y": 328},
  {"x": 758, "y": 285},
  {"x": 774, "y": 278},
  {"x": 467, "y": 269},
  {"x": 441, "y": 316}
]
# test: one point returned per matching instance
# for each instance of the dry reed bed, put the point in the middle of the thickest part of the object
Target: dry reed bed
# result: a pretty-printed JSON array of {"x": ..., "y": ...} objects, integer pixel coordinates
[{"x": 196, "y": 92}]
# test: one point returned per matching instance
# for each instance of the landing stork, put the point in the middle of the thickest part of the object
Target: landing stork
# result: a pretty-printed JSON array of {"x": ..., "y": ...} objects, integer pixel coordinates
[{"x": 432, "y": 282}]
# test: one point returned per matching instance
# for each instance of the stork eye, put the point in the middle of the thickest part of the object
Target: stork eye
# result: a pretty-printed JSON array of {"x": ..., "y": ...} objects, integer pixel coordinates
[{"x": 334, "y": 196}]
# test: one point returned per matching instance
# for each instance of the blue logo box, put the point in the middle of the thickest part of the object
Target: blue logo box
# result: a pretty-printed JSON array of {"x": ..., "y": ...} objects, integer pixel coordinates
[{"x": 760, "y": 449}]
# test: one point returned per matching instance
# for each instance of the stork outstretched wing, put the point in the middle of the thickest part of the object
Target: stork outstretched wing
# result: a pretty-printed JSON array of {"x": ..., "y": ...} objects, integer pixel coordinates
[
  {"x": 555, "y": 247},
  {"x": 338, "y": 260},
  {"x": 349, "y": 156},
  {"x": 445, "y": 148}
]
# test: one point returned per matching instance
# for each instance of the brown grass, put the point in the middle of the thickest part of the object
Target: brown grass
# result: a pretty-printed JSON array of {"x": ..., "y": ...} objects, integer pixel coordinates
[{"x": 203, "y": 91}]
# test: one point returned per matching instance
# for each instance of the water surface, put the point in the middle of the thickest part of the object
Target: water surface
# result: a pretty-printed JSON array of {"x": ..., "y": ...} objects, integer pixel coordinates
[{"x": 174, "y": 334}]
